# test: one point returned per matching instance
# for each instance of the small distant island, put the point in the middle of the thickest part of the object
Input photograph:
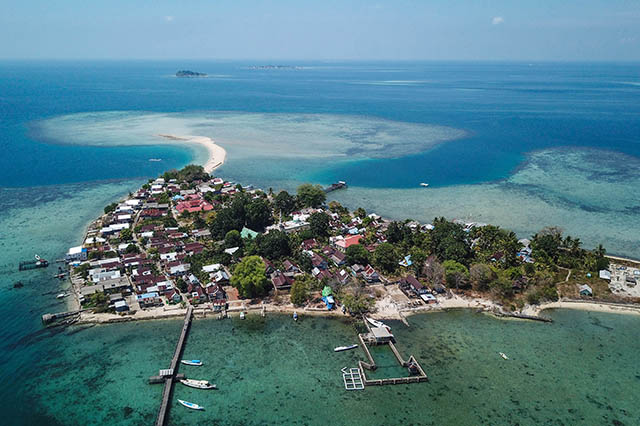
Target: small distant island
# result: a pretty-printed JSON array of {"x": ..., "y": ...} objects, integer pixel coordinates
[{"x": 190, "y": 74}]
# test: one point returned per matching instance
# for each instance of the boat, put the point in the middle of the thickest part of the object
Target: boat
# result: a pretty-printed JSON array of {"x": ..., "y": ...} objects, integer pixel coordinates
[
  {"x": 61, "y": 295},
  {"x": 242, "y": 315},
  {"x": 295, "y": 316},
  {"x": 377, "y": 323},
  {"x": 155, "y": 160},
  {"x": 33, "y": 264},
  {"x": 198, "y": 384},
  {"x": 503, "y": 355},
  {"x": 191, "y": 405},
  {"x": 424, "y": 185},
  {"x": 345, "y": 348},
  {"x": 195, "y": 362}
]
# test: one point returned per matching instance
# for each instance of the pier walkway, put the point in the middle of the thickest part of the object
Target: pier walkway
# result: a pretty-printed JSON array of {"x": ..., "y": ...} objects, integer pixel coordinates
[{"x": 163, "y": 413}]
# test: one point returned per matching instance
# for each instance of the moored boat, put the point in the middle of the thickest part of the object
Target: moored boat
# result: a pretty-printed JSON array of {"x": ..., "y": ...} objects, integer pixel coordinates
[
  {"x": 503, "y": 355},
  {"x": 191, "y": 405},
  {"x": 196, "y": 362},
  {"x": 424, "y": 185},
  {"x": 242, "y": 315},
  {"x": 377, "y": 323},
  {"x": 295, "y": 316},
  {"x": 345, "y": 348},
  {"x": 198, "y": 384},
  {"x": 61, "y": 296}
]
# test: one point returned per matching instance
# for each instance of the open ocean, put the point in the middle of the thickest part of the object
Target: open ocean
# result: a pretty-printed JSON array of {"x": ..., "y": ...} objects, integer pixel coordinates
[{"x": 514, "y": 144}]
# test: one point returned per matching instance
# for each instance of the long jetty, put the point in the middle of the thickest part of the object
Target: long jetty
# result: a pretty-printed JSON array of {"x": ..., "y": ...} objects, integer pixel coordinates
[{"x": 163, "y": 413}]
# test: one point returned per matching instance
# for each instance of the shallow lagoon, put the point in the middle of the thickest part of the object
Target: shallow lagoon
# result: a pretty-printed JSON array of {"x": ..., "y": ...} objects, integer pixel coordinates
[{"x": 580, "y": 369}]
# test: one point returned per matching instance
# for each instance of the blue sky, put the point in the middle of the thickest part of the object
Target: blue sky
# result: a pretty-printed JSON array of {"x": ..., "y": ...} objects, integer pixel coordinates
[{"x": 327, "y": 29}]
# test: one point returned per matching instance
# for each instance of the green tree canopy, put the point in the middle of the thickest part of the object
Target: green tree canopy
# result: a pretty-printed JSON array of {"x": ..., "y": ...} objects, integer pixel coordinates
[
  {"x": 300, "y": 289},
  {"x": 258, "y": 214},
  {"x": 249, "y": 277},
  {"x": 385, "y": 257},
  {"x": 274, "y": 245},
  {"x": 481, "y": 276},
  {"x": 285, "y": 202},
  {"x": 110, "y": 208},
  {"x": 319, "y": 225},
  {"x": 357, "y": 254},
  {"x": 232, "y": 239},
  {"x": 456, "y": 274},
  {"x": 449, "y": 241},
  {"x": 311, "y": 195}
]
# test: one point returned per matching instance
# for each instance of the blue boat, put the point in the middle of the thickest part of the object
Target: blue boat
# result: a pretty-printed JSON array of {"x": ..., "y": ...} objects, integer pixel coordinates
[
  {"x": 191, "y": 405},
  {"x": 196, "y": 362}
]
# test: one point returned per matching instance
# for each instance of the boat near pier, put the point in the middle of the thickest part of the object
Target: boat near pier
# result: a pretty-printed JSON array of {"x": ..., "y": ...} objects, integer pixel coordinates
[
  {"x": 335, "y": 186},
  {"x": 33, "y": 264}
]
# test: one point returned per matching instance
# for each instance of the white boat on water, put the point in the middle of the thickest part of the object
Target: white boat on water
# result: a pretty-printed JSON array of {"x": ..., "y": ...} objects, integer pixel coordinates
[
  {"x": 424, "y": 185},
  {"x": 198, "y": 384},
  {"x": 155, "y": 160},
  {"x": 377, "y": 323},
  {"x": 196, "y": 362},
  {"x": 191, "y": 405},
  {"x": 503, "y": 355},
  {"x": 61, "y": 295},
  {"x": 345, "y": 348},
  {"x": 242, "y": 315}
]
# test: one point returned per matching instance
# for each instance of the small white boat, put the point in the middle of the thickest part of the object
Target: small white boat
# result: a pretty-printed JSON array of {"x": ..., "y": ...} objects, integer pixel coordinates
[
  {"x": 61, "y": 295},
  {"x": 377, "y": 323},
  {"x": 424, "y": 185},
  {"x": 198, "y": 384},
  {"x": 196, "y": 362},
  {"x": 155, "y": 160},
  {"x": 295, "y": 316},
  {"x": 503, "y": 355},
  {"x": 242, "y": 315},
  {"x": 191, "y": 405},
  {"x": 345, "y": 348}
]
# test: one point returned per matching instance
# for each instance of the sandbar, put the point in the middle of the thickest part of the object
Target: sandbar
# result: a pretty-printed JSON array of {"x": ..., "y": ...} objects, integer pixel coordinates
[{"x": 217, "y": 154}]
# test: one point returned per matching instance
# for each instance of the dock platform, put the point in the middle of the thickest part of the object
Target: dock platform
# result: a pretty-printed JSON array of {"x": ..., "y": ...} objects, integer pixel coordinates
[{"x": 170, "y": 379}]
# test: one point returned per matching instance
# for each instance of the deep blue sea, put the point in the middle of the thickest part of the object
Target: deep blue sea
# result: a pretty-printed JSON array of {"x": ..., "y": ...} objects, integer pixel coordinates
[{"x": 515, "y": 144}]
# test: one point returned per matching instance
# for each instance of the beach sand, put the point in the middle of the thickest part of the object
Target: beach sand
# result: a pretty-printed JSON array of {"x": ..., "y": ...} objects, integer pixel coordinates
[{"x": 217, "y": 154}]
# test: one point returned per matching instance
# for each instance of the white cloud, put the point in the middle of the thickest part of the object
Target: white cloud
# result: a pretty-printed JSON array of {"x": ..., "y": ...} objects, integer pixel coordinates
[
  {"x": 168, "y": 18},
  {"x": 497, "y": 20}
]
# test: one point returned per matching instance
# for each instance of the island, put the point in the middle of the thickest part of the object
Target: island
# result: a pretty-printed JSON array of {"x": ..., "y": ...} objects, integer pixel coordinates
[
  {"x": 190, "y": 241},
  {"x": 189, "y": 74}
]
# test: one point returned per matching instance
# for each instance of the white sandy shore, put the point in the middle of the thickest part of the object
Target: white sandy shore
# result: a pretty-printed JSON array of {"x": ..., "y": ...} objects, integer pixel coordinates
[
  {"x": 217, "y": 154},
  {"x": 596, "y": 306}
]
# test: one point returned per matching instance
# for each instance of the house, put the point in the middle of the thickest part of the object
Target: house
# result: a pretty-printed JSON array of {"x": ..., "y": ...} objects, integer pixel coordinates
[
  {"x": 337, "y": 257},
  {"x": 309, "y": 244},
  {"x": 174, "y": 297},
  {"x": 381, "y": 334},
  {"x": 605, "y": 275},
  {"x": 212, "y": 268},
  {"x": 411, "y": 283},
  {"x": 220, "y": 277},
  {"x": 428, "y": 298},
  {"x": 269, "y": 268},
  {"x": 342, "y": 243},
  {"x": 102, "y": 275},
  {"x": 291, "y": 267},
  {"x": 318, "y": 262},
  {"x": 177, "y": 268},
  {"x": 193, "y": 248},
  {"x": 281, "y": 281},
  {"x": 117, "y": 285},
  {"x": 370, "y": 275},
  {"x": 248, "y": 233},
  {"x": 585, "y": 290},
  {"x": 357, "y": 269},
  {"x": 148, "y": 300},
  {"x": 232, "y": 250},
  {"x": 343, "y": 276},
  {"x": 406, "y": 262},
  {"x": 121, "y": 306},
  {"x": 77, "y": 253},
  {"x": 115, "y": 297}
]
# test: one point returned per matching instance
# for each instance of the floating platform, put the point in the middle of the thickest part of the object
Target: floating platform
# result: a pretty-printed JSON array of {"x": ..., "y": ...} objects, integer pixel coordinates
[{"x": 335, "y": 186}]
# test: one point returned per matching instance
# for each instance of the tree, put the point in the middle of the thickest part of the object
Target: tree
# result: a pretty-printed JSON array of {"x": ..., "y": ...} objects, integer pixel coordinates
[
  {"x": 110, "y": 208},
  {"x": 449, "y": 241},
  {"x": 433, "y": 270},
  {"x": 360, "y": 212},
  {"x": 456, "y": 274},
  {"x": 395, "y": 232},
  {"x": 126, "y": 235},
  {"x": 311, "y": 195},
  {"x": 385, "y": 257},
  {"x": 232, "y": 239},
  {"x": 319, "y": 224},
  {"x": 132, "y": 248},
  {"x": 274, "y": 245},
  {"x": 300, "y": 289},
  {"x": 357, "y": 254},
  {"x": 481, "y": 276},
  {"x": 249, "y": 277},
  {"x": 285, "y": 203},
  {"x": 258, "y": 214},
  {"x": 356, "y": 304},
  {"x": 418, "y": 257}
]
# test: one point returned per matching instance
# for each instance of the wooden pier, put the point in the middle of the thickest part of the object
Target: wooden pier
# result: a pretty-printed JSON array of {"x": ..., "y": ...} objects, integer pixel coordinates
[{"x": 170, "y": 378}]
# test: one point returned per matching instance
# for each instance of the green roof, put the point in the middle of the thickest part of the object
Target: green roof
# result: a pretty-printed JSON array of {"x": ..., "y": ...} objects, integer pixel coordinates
[
  {"x": 246, "y": 232},
  {"x": 326, "y": 291}
]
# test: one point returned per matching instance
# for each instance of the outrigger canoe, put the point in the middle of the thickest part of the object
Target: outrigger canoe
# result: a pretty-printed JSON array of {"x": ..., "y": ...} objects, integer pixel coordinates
[
  {"x": 191, "y": 362},
  {"x": 191, "y": 405}
]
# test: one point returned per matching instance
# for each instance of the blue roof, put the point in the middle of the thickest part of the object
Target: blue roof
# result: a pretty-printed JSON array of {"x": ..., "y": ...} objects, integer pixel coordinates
[{"x": 147, "y": 295}]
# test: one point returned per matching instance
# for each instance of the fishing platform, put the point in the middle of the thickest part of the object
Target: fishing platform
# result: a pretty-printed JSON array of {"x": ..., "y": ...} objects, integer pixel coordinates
[
  {"x": 335, "y": 186},
  {"x": 357, "y": 380}
]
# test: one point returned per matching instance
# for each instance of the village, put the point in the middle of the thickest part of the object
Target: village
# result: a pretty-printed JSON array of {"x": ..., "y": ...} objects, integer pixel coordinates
[{"x": 188, "y": 239}]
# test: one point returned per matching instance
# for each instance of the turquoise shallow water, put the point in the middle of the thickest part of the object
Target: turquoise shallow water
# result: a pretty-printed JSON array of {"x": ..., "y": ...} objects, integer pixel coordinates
[
  {"x": 581, "y": 369},
  {"x": 547, "y": 144}
]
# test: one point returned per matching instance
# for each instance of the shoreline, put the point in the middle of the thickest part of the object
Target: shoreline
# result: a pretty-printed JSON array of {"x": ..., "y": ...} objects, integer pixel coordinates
[
  {"x": 456, "y": 302},
  {"x": 217, "y": 154}
]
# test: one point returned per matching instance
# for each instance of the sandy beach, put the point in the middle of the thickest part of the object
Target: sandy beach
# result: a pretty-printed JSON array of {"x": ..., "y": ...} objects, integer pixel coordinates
[{"x": 217, "y": 154}]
